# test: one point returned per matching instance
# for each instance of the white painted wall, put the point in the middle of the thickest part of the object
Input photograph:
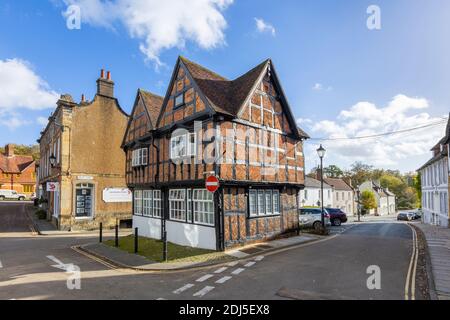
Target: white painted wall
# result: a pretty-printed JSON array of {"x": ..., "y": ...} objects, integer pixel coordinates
[
  {"x": 191, "y": 235},
  {"x": 310, "y": 196},
  {"x": 148, "y": 227}
]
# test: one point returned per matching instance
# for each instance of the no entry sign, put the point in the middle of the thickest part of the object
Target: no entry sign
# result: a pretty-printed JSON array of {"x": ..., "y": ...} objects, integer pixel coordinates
[{"x": 212, "y": 184}]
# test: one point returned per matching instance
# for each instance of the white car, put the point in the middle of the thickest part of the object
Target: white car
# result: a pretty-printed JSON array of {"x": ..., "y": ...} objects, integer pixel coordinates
[
  {"x": 11, "y": 195},
  {"x": 312, "y": 217}
]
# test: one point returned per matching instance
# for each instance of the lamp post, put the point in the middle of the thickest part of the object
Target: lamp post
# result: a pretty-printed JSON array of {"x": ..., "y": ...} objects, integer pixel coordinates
[
  {"x": 321, "y": 153},
  {"x": 52, "y": 160}
]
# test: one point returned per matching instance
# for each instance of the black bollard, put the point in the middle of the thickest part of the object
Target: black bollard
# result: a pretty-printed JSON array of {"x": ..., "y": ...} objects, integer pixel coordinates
[
  {"x": 136, "y": 240},
  {"x": 117, "y": 236},
  {"x": 165, "y": 247},
  {"x": 101, "y": 232}
]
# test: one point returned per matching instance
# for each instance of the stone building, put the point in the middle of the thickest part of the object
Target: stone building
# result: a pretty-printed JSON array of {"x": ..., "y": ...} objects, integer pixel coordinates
[
  {"x": 311, "y": 195},
  {"x": 386, "y": 200},
  {"x": 82, "y": 168},
  {"x": 17, "y": 172},
  {"x": 242, "y": 131},
  {"x": 343, "y": 195}
]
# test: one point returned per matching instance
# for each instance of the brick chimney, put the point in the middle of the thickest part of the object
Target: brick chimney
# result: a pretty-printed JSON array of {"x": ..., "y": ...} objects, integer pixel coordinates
[
  {"x": 9, "y": 150},
  {"x": 105, "y": 86}
]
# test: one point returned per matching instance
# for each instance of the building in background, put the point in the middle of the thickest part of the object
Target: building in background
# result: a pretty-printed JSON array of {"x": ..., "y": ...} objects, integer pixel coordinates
[
  {"x": 435, "y": 184},
  {"x": 343, "y": 195},
  {"x": 17, "y": 172},
  {"x": 82, "y": 166},
  {"x": 310, "y": 196},
  {"x": 386, "y": 200},
  {"x": 242, "y": 131}
]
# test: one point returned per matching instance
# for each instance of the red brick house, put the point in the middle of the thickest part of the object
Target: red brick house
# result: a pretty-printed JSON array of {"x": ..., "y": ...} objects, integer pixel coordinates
[
  {"x": 242, "y": 131},
  {"x": 17, "y": 172}
]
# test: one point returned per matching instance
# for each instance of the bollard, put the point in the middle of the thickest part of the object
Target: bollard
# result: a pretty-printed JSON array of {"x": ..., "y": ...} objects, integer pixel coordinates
[
  {"x": 101, "y": 232},
  {"x": 117, "y": 236},
  {"x": 165, "y": 246},
  {"x": 136, "y": 240}
]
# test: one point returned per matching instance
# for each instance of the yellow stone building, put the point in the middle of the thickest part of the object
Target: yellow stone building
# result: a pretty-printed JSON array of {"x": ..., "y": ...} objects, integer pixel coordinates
[{"x": 82, "y": 168}]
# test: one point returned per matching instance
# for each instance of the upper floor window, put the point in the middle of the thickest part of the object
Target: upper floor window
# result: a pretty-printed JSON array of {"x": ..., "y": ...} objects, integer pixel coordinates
[
  {"x": 183, "y": 146},
  {"x": 139, "y": 157},
  {"x": 179, "y": 100}
]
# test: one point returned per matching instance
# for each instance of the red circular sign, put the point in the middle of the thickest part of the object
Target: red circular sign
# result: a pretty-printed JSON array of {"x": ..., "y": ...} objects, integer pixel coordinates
[{"x": 212, "y": 184}]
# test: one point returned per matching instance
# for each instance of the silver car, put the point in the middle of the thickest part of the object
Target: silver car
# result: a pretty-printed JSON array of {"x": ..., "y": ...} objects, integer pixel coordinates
[{"x": 312, "y": 217}]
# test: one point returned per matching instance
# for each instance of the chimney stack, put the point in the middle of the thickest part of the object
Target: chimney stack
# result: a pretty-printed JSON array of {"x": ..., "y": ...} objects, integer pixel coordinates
[
  {"x": 105, "y": 86},
  {"x": 9, "y": 150},
  {"x": 83, "y": 98}
]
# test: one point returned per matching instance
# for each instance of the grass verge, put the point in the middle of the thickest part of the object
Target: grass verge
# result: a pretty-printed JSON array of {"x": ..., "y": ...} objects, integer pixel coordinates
[{"x": 152, "y": 249}]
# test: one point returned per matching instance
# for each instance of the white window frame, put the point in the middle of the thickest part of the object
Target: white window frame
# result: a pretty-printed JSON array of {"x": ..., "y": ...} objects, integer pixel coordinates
[
  {"x": 203, "y": 207},
  {"x": 184, "y": 145},
  {"x": 177, "y": 205},
  {"x": 260, "y": 200},
  {"x": 179, "y": 104},
  {"x": 157, "y": 200},
  {"x": 139, "y": 157},
  {"x": 138, "y": 204}
]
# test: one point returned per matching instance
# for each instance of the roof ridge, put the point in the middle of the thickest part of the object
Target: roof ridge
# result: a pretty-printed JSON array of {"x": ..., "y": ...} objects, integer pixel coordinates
[
  {"x": 185, "y": 60},
  {"x": 151, "y": 93},
  {"x": 252, "y": 69}
]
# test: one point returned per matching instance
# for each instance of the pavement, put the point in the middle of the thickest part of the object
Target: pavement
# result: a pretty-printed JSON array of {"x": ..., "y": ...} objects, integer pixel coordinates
[
  {"x": 37, "y": 267},
  {"x": 438, "y": 242}
]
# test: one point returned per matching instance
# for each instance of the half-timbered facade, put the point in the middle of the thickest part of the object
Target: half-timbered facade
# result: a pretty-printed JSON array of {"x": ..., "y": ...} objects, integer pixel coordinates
[{"x": 241, "y": 131}]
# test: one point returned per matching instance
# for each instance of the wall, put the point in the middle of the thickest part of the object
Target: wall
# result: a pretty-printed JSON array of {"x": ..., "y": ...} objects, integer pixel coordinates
[
  {"x": 148, "y": 227},
  {"x": 314, "y": 197},
  {"x": 191, "y": 235}
]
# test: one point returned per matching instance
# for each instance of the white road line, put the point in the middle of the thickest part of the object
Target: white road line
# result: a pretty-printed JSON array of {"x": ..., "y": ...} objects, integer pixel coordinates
[
  {"x": 220, "y": 270},
  {"x": 204, "y": 278},
  {"x": 413, "y": 281},
  {"x": 259, "y": 258},
  {"x": 223, "y": 280},
  {"x": 411, "y": 275},
  {"x": 161, "y": 299},
  {"x": 184, "y": 288},
  {"x": 237, "y": 271},
  {"x": 251, "y": 263},
  {"x": 1, "y": 265},
  {"x": 204, "y": 291},
  {"x": 232, "y": 264}
]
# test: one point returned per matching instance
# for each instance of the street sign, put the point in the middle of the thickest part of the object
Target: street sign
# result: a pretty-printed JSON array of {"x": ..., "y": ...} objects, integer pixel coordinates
[
  {"x": 52, "y": 186},
  {"x": 115, "y": 195},
  {"x": 212, "y": 184}
]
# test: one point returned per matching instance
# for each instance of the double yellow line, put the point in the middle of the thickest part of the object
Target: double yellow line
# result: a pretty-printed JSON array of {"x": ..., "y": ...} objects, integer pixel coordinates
[{"x": 410, "y": 285}]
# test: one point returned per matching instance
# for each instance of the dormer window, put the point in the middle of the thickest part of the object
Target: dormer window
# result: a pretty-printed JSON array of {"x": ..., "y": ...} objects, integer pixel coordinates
[
  {"x": 179, "y": 100},
  {"x": 139, "y": 157}
]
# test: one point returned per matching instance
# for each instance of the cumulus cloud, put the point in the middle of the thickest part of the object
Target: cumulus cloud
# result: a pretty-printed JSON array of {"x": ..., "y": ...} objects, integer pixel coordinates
[
  {"x": 11, "y": 120},
  {"x": 321, "y": 87},
  {"x": 264, "y": 27},
  {"x": 366, "y": 119},
  {"x": 21, "y": 87},
  {"x": 160, "y": 25}
]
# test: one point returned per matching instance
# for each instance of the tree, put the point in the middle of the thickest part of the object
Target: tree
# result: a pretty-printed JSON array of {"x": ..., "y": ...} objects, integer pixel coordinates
[
  {"x": 359, "y": 173},
  {"x": 25, "y": 150},
  {"x": 333, "y": 171},
  {"x": 417, "y": 183},
  {"x": 368, "y": 200}
]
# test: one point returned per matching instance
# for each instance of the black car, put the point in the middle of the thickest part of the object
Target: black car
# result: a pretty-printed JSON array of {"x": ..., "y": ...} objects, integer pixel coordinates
[
  {"x": 405, "y": 216},
  {"x": 337, "y": 216}
]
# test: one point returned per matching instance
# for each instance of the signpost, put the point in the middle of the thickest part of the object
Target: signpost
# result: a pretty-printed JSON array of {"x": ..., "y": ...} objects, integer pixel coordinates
[
  {"x": 212, "y": 184},
  {"x": 52, "y": 186}
]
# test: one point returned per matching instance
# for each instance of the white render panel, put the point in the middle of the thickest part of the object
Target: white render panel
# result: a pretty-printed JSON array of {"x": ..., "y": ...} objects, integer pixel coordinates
[
  {"x": 191, "y": 235},
  {"x": 148, "y": 227}
]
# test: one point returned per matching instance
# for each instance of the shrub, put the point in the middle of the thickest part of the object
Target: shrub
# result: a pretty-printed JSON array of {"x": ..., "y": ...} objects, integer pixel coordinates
[{"x": 41, "y": 214}]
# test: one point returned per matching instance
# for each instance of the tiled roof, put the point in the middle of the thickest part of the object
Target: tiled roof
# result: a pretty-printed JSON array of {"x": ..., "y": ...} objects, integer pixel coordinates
[
  {"x": 227, "y": 96},
  {"x": 338, "y": 184},
  {"x": 153, "y": 103},
  {"x": 14, "y": 164},
  {"x": 314, "y": 183}
]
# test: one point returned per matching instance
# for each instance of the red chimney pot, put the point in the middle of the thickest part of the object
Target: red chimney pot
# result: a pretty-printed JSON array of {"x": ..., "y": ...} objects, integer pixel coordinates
[
  {"x": 108, "y": 75},
  {"x": 102, "y": 74}
]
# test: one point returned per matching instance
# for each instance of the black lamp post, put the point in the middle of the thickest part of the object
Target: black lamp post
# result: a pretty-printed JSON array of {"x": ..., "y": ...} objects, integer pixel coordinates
[
  {"x": 321, "y": 153},
  {"x": 52, "y": 160}
]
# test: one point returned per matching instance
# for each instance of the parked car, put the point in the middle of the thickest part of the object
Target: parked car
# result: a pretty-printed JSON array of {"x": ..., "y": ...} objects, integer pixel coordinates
[
  {"x": 312, "y": 217},
  {"x": 337, "y": 216},
  {"x": 11, "y": 195},
  {"x": 405, "y": 216},
  {"x": 417, "y": 215}
]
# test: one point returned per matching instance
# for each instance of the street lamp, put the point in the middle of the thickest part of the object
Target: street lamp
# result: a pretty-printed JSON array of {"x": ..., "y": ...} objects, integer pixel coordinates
[
  {"x": 321, "y": 153},
  {"x": 52, "y": 160}
]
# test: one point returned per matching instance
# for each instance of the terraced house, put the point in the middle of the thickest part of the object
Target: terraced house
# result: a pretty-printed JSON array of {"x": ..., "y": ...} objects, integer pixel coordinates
[{"x": 242, "y": 131}]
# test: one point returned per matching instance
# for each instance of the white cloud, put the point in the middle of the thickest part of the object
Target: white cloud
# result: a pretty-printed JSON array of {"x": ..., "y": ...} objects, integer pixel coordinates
[
  {"x": 321, "y": 87},
  {"x": 12, "y": 120},
  {"x": 21, "y": 87},
  {"x": 399, "y": 151},
  {"x": 263, "y": 27},
  {"x": 160, "y": 25},
  {"x": 42, "y": 121}
]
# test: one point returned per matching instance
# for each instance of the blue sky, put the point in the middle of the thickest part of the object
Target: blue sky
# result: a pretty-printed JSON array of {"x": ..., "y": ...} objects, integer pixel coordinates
[{"x": 342, "y": 79}]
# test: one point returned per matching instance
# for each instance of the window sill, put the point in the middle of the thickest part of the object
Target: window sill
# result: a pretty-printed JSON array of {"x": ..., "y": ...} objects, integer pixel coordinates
[
  {"x": 84, "y": 218},
  {"x": 264, "y": 216}
]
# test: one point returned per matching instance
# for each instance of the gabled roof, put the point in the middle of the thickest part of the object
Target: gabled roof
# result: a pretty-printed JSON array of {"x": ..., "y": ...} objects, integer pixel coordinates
[
  {"x": 314, "y": 183},
  {"x": 15, "y": 164},
  {"x": 338, "y": 184},
  {"x": 153, "y": 104}
]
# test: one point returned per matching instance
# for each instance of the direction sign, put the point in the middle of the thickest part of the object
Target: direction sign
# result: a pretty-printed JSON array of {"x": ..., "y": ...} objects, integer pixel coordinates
[{"x": 212, "y": 184}]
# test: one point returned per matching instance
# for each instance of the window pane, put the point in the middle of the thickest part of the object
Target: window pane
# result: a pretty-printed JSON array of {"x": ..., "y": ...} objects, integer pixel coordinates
[
  {"x": 276, "y": 202},
  {"x": 261, "y": 206},
  {"x": 203, "y": 204},
  {"x": 252, "y": 203},
  {"x": 269, "y": 202},
  {"x": 177, "y": 205}
]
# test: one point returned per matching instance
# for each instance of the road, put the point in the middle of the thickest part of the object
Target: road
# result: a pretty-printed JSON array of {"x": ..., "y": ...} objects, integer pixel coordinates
[{"x": 333, "y": 269}]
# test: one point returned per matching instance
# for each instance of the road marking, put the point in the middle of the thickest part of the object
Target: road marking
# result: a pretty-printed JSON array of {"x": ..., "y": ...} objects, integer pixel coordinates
[
  {"x": 251, "y": 263},
  {"x": 220, "y": 270},
  {"x": 184, "y": 288},
  {"x": 204, "y": 291},
  {"x": 237, "y": 271},
  {"x": 1, "y": 265},
  {"x": 259, "y": 258},
  {"x": 232, "y": 264},
  {"x": 161, "y": 299},
  {"x": 223, "y": 280},
  {"x": 204, "y": 278},
  {"x": 411, "y": 275}
]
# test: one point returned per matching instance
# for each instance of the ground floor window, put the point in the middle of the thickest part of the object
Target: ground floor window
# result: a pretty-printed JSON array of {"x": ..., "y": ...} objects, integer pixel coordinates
[
  {"x": 84, "y": 197},
  {"x": 203, "y": 203},
  {"x": 264, "y": 203},
  {"x": 147, "y": 203},
  {"x": 192, "y": 206},
  {"x": 177, "y": 205},
  {"x": 28, "y": 188}
]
